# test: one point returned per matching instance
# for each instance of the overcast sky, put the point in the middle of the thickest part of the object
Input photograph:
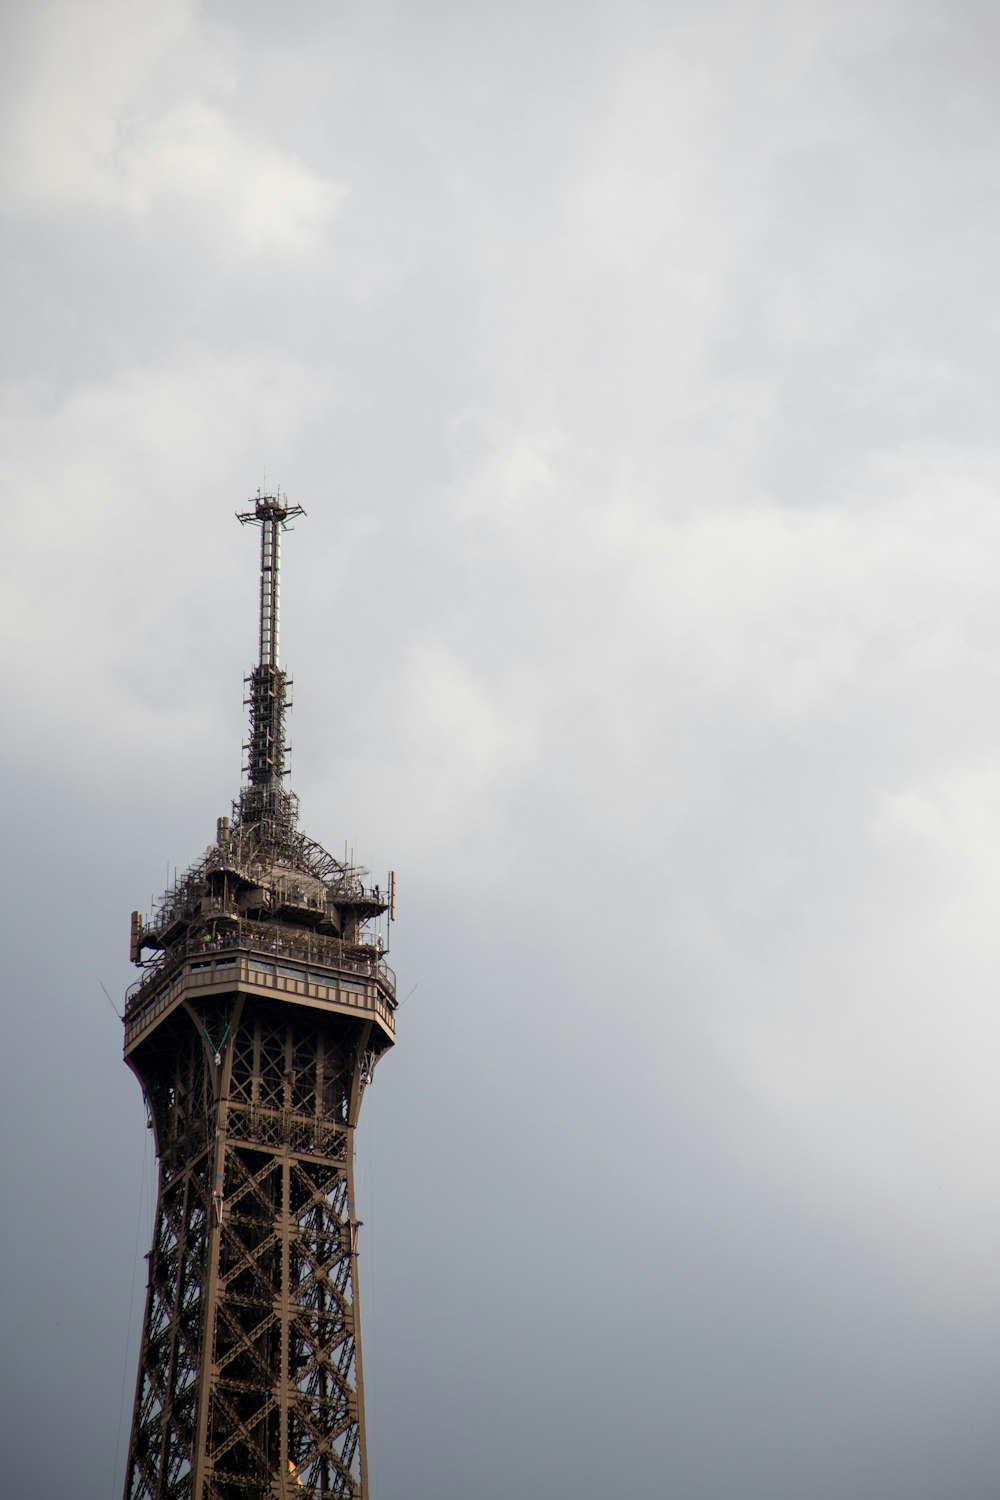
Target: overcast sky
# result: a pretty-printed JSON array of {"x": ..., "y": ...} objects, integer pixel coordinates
[{"x": 636, "y": 364}]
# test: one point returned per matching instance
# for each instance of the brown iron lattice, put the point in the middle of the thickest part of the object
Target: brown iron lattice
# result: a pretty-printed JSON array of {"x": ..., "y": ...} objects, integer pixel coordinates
[{"x": 250, "y": 1362}]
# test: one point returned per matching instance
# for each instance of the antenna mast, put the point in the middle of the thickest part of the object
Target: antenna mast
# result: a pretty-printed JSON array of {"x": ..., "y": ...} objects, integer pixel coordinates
[{"x": 265, "y": 800}]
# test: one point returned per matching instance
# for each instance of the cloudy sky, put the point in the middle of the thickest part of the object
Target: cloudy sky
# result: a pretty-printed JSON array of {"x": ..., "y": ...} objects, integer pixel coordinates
[{"x": 636, "y": 365}]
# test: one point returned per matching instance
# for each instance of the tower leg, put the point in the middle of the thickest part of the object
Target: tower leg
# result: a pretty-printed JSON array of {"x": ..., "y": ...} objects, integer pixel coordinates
[{"x": 250, "y": 1374}]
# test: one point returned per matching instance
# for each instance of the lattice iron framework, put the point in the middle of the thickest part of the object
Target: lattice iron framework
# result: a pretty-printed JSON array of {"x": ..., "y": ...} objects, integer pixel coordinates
[{"x": 254, "y": 1030}]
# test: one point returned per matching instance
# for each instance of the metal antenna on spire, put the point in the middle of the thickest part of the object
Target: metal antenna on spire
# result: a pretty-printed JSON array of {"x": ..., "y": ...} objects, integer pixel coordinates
[{"x": 265, "y": 799}]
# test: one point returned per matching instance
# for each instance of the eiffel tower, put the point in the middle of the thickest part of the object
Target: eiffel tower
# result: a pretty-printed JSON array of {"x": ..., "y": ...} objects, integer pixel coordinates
[{"x": 263, "y": 1006}]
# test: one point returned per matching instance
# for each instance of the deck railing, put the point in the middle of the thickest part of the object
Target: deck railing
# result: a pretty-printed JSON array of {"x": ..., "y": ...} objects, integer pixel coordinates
[{"x": 265, "y": 938}]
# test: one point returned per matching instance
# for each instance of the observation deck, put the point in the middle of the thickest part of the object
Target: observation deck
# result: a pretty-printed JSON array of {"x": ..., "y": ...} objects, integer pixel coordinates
[{"x": 269, "y": 961}]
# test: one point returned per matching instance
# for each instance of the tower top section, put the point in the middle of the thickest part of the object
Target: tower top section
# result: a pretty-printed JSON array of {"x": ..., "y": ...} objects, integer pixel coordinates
[
  {"x": 262, "y": 871},
  {"x": 265, "y": 800}
]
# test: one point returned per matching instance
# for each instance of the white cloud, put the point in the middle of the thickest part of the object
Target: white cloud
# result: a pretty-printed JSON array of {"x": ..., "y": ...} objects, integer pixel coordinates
[
  {"x": 952, "y": 820},
  {"x": 195, "y": 156},
  {"x": 127, "y": 108}
]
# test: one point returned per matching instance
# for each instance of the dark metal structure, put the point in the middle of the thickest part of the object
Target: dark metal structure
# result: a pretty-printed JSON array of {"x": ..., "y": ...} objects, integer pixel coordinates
[{"x": 253, "y": 1031}]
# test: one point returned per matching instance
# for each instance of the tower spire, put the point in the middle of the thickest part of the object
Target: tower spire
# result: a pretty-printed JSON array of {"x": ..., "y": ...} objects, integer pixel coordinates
[{"x": 265, "y": 800}]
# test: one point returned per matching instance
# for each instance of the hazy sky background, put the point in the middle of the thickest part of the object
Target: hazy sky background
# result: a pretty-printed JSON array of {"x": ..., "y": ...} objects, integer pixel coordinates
[{"x": 637, "y": 366}]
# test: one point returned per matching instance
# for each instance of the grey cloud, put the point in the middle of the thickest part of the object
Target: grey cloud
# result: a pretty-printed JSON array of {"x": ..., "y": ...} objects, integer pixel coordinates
[{"x": 633, "y": 366}]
